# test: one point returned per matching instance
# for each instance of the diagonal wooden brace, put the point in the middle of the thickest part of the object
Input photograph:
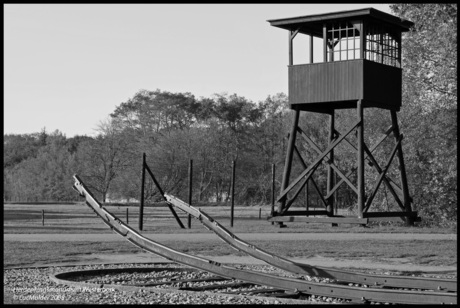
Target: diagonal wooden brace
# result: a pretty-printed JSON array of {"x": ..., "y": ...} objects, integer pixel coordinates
[
  {"x": 372, "y": 162},
  {"x": 336, "y": 186},
  {"x": 294, "y": 33},
  {"x": 163, "y": 195},
  {"x": 388, "y": 182},
  {"x": 289, "y": 203},
  {"x": 316, "y": 148},
  {"x": 316, "y": 162},
  {"x": 305, "y": 180},
  {"x": 385, "y": 135},
  {"x": 323, "y": 199},
  {"x": 315, "y": 186},
  {"x": 382, "y": 174}
]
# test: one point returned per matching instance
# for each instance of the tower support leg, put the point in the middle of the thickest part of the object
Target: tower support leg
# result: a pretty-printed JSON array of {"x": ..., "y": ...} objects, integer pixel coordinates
[
  {"x": 360, "y": 135},
  {"x": 402, "y": 169},
  {"x": 330, "y": 172},
  {"x": 289, "y": 156}
]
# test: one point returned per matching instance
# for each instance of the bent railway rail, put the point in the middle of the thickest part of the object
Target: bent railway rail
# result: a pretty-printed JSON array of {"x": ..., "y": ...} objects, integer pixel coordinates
[
  {"x": 290, "y": 284},
  {"x": 302, "y": 268},
  {"x": 175, "y": 279}
]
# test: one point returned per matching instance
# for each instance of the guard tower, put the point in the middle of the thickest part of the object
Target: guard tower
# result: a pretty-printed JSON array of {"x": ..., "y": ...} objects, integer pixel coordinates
[{"x": 361, "y": 68}]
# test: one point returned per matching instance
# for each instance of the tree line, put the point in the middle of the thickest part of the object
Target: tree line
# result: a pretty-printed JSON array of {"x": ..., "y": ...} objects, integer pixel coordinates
[{"x": 174, "y": 128}]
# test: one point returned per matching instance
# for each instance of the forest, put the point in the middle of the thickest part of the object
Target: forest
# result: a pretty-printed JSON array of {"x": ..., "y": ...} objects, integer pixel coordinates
[{"x": 174, "y": 128}]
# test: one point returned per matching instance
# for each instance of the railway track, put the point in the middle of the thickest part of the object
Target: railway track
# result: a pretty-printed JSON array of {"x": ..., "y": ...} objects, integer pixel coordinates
[
  {"x": 363, "y": 293},
  {"x": 171, "y": 279},
  {"x": 302, "y": 268}
]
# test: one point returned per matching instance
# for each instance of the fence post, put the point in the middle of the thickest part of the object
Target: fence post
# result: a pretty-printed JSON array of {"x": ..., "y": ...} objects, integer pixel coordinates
[
  {"x": 273, "y": 192},
  {"x": 190, "y": 173},
  {"x": 141, "y": 205},
  {"x": 260, "y": 212},
  {"x": 43, "y": 217},
  {"x": 233, "y": 194},
  {"x": 127, "y": 216}
]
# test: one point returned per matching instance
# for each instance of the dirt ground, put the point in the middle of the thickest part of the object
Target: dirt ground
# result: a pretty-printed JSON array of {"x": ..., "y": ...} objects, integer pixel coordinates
[
  {"x": 75, "y": 225},
  {"x": 396, "y": 264},
  {"x": 245, "y": 236}
]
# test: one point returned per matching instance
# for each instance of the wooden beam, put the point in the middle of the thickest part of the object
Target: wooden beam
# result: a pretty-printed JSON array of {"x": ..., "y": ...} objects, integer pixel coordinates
[
  {"x": 388, "y": 182},
  {"x": 163, "y": 195},
  {"x": 372, "y": 149},
  {"x": 397, "y": 218},
  {"x": 389, "y": 214},
  {"x": 319, "y": 193},
  {"x": 360, "y": 158},
  {"x": 294, "y": 33},
  {"x": 336, "y": 220},
  {"x": 337, "y": 185},
  {"x": 331, "y": 167},
  {"x": 362, "y": 40},
  {"x": 391, "y": 185},
  {"x": 289, "y": 156},
  {"x": 385, "y": 135},
  {"x": 272, "y": 210},
  {"x": 329, "y": 162},
  {"x": 316, "y": 162},
  {"x": 324, "y": 43},
  {"x": 402, "y": 168},
  {"x": 305, "y": 213},
  {"x": 382, "y": 175},
  {"x": 289, "y": 203},
  {"x": 141, "y": 204}
]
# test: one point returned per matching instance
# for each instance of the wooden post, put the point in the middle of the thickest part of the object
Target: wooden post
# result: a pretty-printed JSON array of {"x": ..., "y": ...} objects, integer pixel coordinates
[
  {"x": 361, "y": 193},
  {"x": 127, "y": 216},
  {"x": 324, "y": 43},
  {"x": 311, "y": 49},
  {"x": 272, "y": 212},
  {"x": 163, "y": 195},
  {"x": 289, "y": 156},
  {"x": 141, "y": 205},
  {"x": 330, "y": 172},
  {"x": 233, "y": 194},
  {"x": 402, "y": 169},
  {"x": 190, "y": 173},
  {"x": 307, "y": 197},
  {"x": 43, "y": 217},
  {"x": 260, "y": 212},
  {"x": 362, "y": 41}
]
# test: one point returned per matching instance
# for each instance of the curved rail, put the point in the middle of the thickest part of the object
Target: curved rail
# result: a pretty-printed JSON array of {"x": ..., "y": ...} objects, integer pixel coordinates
[
  {"x": 302, "y": 268},
  {"x": 298, "y": 285}
]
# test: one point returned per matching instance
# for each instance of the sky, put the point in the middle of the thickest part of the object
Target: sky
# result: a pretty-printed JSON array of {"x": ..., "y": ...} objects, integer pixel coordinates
[{"x": 68, "y": 66}]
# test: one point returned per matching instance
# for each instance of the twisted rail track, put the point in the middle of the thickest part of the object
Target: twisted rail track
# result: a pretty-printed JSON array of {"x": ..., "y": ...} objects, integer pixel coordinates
[
  {"x": 302, "y": 268},
  {"x": 169, "y": 279},
  {"x": 289, "y": 284}
]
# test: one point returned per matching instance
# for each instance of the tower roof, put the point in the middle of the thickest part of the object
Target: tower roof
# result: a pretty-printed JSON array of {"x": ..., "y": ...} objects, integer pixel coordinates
[{"x": 313, "y": 24}]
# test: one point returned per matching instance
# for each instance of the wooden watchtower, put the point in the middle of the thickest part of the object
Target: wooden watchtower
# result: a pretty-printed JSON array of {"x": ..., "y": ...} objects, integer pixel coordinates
[{"x": 361, "y": 68}]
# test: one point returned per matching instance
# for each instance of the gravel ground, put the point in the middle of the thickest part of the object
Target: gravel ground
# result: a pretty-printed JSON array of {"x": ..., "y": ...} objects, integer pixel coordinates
[{"x": 33, "y": 286}]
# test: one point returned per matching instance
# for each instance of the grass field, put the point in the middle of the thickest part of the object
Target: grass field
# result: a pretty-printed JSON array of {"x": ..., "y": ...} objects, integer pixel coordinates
[
  {"x": 433, "y": 253},
  {"x": 79, "y": 218},
  {"x": 67, "y": 219}
]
